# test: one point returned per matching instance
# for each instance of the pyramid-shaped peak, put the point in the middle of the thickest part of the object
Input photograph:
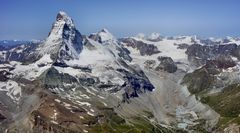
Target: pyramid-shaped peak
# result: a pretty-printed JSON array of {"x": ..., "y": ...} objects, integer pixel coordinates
[
  {"x": 63, "y": 16},
  {"x": 105, "y": 35},
  {"x": 64, "y": 40}
]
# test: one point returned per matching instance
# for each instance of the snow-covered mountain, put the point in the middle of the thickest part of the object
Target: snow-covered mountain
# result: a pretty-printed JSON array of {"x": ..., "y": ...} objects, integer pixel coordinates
[
  {"x": 64, "y": 41},
  {"x": 97, "y": 83}
]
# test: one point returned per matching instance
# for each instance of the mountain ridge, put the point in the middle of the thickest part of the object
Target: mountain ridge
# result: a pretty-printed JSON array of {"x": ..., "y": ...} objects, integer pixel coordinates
[{"x": 98, "y": 83}]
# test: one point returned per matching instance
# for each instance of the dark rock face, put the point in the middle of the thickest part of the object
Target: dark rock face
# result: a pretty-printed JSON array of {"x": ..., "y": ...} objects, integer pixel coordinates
[
  {"x": 2, "y": 117},
  {"x": 199, "y": 80},
  {"x": 95, "y": 37},
  {"x": 54, "y": 79},
  {"x": 4, "y": 75},
  {"x": 198, "y": 54},
  {"x": 135, "y": 84},
  {"x": 23, "y": 56},
  {"x": 236, "y": 52},
  {"x": 166, "y": 64},
  {"x": 60, "y": 64},
  {"x": 144, "y": 49},
  {"x": 76, "y": 40},
  {"x": 88, "y": 81},
  {"x": 21, "y": 53},
  {"x": 124, "y": 53},
  {"x": 221, "y": 61},
  {"x": 150, "y": 64},
  {"x": 182, "y": 46},
  {"x": 203, "y": 79}
]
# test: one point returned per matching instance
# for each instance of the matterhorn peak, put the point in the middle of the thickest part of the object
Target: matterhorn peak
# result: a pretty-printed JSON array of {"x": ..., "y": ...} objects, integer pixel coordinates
[
  {"x": 62, "y": 16},
  {"x": 63, "y": 22},
  {"x": 64, "y": 40}
]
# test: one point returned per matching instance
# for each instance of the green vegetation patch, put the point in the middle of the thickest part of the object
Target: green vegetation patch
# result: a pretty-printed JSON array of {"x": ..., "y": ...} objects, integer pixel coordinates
[
  {"x": 226, "y": 103},
  {"x": 112, "y": 123}
]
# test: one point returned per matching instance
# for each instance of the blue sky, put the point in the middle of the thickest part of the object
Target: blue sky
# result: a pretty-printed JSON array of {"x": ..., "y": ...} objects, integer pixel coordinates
[{"x": 32, "y": 19}]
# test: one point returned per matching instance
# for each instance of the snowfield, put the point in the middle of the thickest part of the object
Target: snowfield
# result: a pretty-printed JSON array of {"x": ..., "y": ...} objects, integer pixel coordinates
[
  {"x": 12, "y": 89},
  {"x": 34, "y": 70}
]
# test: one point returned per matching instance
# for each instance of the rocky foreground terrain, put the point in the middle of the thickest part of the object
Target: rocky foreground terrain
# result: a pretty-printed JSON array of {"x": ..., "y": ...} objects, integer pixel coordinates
[{"x": 74, "y": 83}]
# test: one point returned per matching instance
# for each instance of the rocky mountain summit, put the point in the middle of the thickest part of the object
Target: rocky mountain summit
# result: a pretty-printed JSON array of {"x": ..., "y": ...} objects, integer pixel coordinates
[
  {"x": 71, "y": 82},
  {"x": 64, "y": 41}
]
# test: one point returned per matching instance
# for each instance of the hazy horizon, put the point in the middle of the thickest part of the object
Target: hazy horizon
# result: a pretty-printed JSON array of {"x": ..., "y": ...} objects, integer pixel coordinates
[{"x": 26, "y": 20}]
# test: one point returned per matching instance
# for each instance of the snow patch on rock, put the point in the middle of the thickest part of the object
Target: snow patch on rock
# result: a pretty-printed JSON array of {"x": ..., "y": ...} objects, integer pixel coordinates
[{"x": 12, "y": 89}]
